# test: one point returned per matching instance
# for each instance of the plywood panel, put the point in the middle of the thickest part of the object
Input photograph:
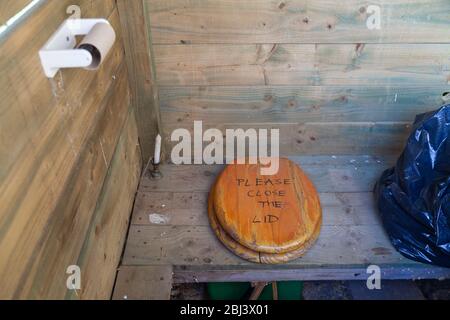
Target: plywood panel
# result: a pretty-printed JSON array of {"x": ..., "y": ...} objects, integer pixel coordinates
[
  {"x": 296, "y": 21},
  {"x": 303, "y": 64},
  {"x": 102, "y": 249},
  {"x": 219, "y": 104}
]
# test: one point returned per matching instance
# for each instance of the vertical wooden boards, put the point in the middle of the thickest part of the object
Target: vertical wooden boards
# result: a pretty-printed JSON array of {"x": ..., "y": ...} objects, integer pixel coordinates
[
  {"x": 297, "y": 21},
  {"x": 102, "y": 249},
  {"x": 56, "y": 144},
  {"x": 141, "y": 72},
  {"x": 143, "y": 283}
]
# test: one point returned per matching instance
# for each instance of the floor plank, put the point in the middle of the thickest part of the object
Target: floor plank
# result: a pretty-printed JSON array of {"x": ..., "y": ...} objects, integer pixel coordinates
[
  {"x": 197, "y": 245},
  {"x": 143, "y": 283},
  {"x": 189, "y": 209}
]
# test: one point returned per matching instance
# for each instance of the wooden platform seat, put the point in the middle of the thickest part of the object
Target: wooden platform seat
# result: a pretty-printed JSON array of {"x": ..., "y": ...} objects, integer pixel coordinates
[
  {"x": 170, "y": 231},
  {"x": 265, "y": 218}
]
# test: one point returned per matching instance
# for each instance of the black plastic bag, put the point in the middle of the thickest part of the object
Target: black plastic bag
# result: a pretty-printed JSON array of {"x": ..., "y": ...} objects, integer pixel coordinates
[{"x": 413, "y": 198}]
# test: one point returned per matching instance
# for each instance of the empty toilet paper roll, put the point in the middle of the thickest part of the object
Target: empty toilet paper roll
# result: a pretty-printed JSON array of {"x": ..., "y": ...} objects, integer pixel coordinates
[{"x": 98, "y": 42}]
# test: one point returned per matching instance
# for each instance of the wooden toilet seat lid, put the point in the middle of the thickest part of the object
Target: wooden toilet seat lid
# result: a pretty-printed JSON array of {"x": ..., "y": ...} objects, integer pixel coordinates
[
  {"x": 248, "y": 254},
  {"x": 271, "y": 214}
]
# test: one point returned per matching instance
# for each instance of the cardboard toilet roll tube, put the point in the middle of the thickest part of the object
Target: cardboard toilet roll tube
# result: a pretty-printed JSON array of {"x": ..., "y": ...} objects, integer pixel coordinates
[{"x": 98, "y": 42}]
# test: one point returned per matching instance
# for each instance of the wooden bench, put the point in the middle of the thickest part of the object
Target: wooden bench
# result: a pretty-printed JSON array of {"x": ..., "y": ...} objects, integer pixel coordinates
[{"x": 170, "y": 239}]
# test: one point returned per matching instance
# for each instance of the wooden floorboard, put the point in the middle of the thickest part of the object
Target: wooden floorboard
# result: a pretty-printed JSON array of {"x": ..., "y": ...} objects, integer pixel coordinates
[
  {"x": 143, "y": 283},
  {"x": 170, "y": 228},
  {"x": 328, "y": 173}
]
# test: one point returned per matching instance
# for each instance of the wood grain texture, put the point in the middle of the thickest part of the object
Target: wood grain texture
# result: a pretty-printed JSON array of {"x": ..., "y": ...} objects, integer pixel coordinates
[
  {"x": 148, "y": 283},
  {"x": 170, "y": 227},
  {"x": 141, "y": 72},
  {"x": 316, "y": 138},
  {"x": 188, "y": 274},
  {"x": 249, "y": 254},
  {"x": 102, "y": 249},
  {"x": 70, "y": 219},
  {"x": 257, "y": 104},
  {"x": 330, "y": 176},
  {"x": 272, "y": 214},
  {"x": 195, "y": 244},
  {"x": 29, "y": 105},
  {"x": 299, "y": 64},
  {"x": 307, "y": 62},
  {"x": 190, "y": 209},
  {"x": 198, "y": 245},
  {"x": 56, "y": 147},
  {"x": 9, "y": 8},
  {"x": 298, "y": 21}
]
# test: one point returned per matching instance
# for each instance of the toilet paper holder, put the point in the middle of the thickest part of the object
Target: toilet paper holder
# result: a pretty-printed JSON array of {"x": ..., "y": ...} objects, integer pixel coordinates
[{"x": 61, "y": 50}]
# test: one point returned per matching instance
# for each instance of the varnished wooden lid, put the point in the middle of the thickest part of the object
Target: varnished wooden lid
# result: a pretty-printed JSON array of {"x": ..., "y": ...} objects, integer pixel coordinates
[
  {"x": 248, "y": 254},
  {"x": 268, "y": 214}
]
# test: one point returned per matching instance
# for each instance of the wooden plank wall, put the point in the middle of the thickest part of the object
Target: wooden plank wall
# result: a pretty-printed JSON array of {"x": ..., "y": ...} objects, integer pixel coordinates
[
  {"x": 311, "y": 67},
  {"x": 69, "y": 162},
  {"x": 144, "y": 93}
]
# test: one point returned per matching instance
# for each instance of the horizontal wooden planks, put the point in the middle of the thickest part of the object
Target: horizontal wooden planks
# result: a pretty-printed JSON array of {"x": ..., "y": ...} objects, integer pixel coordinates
[
  {"x": 339, "y": 174},
  {"x": 159, "y": 204},
  {"x": 235, "y": 104},
  {"x": 197, "y": 245},
  {"x": 170, "y": 228},
  {"x": 103, "y": 245},
  {"x": 407, "y": 271},
  {"x": 190, "y": 209},
  {"x": 59, "y": 138},
  {"x": 29, "y": 98},
  {"x": 313, "y": 138},
  {"x": 303, "y": 64},
  {"x": 351, "y": 138},
  {"x": 67, "y": 225},
  {"x": 297, "y": 21}
]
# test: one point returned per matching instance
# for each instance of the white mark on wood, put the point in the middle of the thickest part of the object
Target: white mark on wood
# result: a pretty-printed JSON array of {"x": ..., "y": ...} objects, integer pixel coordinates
[
  {"x": 103, "y": 153},
  {"x": 72, "y": 144},
  {"x": 395, "y": 98},
  {"x": 156, "y": 218}
]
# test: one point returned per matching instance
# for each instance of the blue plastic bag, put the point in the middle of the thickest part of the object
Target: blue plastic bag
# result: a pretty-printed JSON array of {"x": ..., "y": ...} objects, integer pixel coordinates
[{"x": 413, "y": 198}]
